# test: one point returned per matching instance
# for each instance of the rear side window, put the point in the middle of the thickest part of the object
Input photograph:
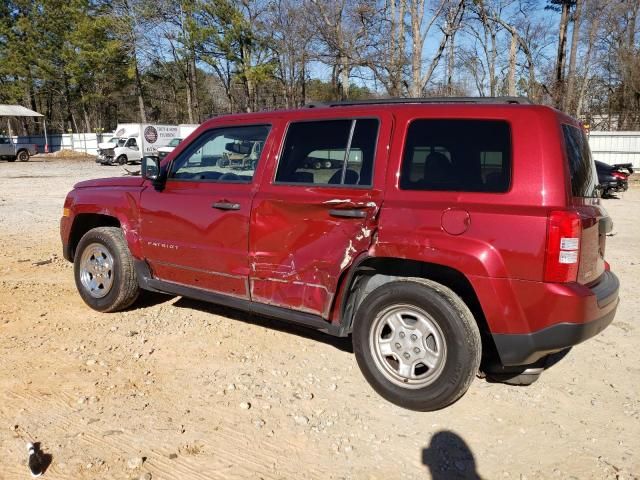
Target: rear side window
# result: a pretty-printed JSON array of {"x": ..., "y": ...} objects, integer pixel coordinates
[
  {"x": 584, "y": 179},
  {"x": 457, "y": 155},
  {"x": 329, "y": 152}
]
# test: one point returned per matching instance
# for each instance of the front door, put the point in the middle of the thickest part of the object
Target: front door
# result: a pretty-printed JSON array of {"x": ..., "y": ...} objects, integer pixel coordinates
[
  {"x": 196, "y": 231},
  {"x": 319, "y": 211}
]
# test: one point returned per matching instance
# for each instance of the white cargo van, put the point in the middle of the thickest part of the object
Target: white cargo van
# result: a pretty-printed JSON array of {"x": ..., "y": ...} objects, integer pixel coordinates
[
  {"x": 132, "y": 141},
  {"x": 184, "y": 130}
]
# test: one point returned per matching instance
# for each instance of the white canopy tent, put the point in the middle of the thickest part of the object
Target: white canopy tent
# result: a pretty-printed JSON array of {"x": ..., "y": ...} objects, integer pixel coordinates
[{"x": 20, "y": 111}]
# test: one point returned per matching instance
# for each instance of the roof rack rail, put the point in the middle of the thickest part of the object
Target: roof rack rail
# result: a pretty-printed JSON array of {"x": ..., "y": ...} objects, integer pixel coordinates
[{"x": 383, "y": 101}]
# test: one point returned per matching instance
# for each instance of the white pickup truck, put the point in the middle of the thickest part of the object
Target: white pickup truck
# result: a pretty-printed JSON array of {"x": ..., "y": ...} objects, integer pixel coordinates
[{"x": 16, "y": 151}]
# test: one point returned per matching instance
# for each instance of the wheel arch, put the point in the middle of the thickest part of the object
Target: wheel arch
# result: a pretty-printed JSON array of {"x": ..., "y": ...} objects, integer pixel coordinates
[
  {"x": 82, "y": 223},
  {"x": 369, "y": 273}
]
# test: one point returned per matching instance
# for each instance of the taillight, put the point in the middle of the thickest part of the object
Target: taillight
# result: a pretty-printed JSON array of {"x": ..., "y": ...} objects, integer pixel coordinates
[
  {"x": 618, "y": 175},
  {"x": 563, "y": 247}
]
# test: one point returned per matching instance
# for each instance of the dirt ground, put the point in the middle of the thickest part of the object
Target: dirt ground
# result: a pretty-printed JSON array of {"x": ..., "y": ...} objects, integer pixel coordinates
[{"x": 177, "y": 389}]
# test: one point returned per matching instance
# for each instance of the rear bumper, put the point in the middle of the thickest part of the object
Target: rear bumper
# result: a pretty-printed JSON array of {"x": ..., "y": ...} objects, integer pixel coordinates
[{"x": 526, "y": 348}]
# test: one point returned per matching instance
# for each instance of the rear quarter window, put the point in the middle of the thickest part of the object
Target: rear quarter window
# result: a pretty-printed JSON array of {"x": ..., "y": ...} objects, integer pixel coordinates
[
  {"x": 457, "y": 155},
  {"x": 584, "y": 178}
]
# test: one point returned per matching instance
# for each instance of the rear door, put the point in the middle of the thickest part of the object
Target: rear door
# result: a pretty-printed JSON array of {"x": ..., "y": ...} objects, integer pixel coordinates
[
  {"x": 319, "y": 211},
  {"x": 196, "y": 231}
]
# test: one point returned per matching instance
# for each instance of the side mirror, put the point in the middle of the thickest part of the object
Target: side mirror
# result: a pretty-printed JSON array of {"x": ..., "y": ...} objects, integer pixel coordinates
[{"x": 150, "y": 168}]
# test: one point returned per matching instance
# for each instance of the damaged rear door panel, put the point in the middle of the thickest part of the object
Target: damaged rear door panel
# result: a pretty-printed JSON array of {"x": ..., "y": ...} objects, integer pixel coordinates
[{"x": 308, "y": 224}]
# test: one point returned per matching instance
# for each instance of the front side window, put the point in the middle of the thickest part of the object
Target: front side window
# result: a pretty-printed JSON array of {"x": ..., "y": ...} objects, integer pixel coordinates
[
  {"x": 329, "y": 152},
  {"x": 457, "y": 155},
  {"x": 225, "y": 155}
]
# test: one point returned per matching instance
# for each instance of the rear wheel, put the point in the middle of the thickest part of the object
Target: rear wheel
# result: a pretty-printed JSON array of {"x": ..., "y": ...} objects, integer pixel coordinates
[
  {"x": 23, "y": 156},
  {"x": 104, "y": 271},
  {"x": 417, "y": 343}
]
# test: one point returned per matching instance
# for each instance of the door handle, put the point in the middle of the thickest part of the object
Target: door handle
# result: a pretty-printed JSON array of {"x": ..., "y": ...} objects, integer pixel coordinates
[
  {"x": 226, "y": 206},
  {"x": 348, "y": 213}
]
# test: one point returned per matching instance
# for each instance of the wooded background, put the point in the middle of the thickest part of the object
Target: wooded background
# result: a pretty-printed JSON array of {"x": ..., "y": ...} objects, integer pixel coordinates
[{"x": 89, "y": 64}]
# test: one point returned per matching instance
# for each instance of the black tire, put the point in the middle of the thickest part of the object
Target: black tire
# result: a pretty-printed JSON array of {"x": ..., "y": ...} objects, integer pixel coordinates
[
  {"x": 459, "y": 334},
  {"x": 124, "y": 289},
  {"x": 23, "y": 156},
  {"x": 121, "y": 160},
  {"x": 317, "y": 164}
]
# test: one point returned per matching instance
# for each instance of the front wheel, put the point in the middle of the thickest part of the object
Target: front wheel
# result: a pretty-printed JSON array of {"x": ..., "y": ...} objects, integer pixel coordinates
[
  {"x": 121, "y": 160},
  {"x": 104, "y": 271},
  {"x": 417, "y": 343}
]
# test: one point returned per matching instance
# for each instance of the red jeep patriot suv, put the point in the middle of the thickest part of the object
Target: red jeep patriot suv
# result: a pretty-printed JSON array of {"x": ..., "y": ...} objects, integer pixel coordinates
[{"x": 436, "y": 232}]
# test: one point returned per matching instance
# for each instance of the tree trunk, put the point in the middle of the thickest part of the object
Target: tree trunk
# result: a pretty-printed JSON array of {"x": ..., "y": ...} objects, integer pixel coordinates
[
  {"x": 193, "y": 87},
  {"x": 189, "y": 97},
  {"x": 630, "y": 98},
  {"x": 511, "y": 77},
  {"x": 571, "y": 74},
  {"x": 141, "y": 106},
  {"x": 67, "y": 98},
  {"x": 560, "y": 58},
  {"x": 32, "y": 97},
  {"x": 344, "y": 77},
  {"x": 586, "y": 60},
  {"x": 450, "y": 65},
  {"x": 417, "y": 14}
]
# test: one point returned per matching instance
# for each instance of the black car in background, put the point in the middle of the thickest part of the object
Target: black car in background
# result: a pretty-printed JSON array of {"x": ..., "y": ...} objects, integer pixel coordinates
[{"x": 613, "y": 178}]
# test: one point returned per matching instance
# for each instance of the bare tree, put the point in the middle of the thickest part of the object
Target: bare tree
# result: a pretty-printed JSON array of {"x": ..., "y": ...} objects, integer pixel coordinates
[
  {"x": 341, "y": 29},
  {"x": 386, "y": 39},
  {"x": 568, "y": 97},
  {"x": 291, "y": 44},
  {"x": 561, "y": 57},
  {"x": 420, "y": 29}
]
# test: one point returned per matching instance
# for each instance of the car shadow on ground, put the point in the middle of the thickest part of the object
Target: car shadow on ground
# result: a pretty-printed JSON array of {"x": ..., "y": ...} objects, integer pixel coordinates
[
  {"x": 449, "y": 457},
  {"x": 149, "y": 299}
]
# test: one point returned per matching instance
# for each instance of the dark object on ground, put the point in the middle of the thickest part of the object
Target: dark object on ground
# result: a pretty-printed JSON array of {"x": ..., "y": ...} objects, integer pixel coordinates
[{"x": 38, "y": 460}]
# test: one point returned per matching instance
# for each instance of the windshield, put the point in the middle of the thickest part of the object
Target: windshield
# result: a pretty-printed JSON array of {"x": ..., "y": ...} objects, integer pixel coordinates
[
  {"x": 118, "y": 142},
  {"x": 175, "y": 142}
]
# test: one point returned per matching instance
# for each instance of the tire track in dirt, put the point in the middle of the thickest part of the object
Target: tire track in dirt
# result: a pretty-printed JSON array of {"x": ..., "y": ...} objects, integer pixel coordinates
[{"x": 228, "y": 450}]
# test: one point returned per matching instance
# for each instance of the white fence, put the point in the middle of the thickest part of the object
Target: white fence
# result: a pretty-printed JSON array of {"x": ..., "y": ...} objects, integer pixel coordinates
[
  {"x": 608, "y": 147},
  {"x": 616, "y": 147},
  {"x": 79, "y": 142}
]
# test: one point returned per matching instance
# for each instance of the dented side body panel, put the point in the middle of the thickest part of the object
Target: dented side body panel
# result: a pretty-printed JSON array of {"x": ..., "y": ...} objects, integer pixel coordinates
[
  {"x": 297, "y": 248},
  {"x": 118, "y": 198}
]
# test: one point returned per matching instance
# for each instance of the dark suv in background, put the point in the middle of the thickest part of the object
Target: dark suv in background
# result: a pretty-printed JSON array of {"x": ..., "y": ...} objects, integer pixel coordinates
[{"x": 439, "y": 234}]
